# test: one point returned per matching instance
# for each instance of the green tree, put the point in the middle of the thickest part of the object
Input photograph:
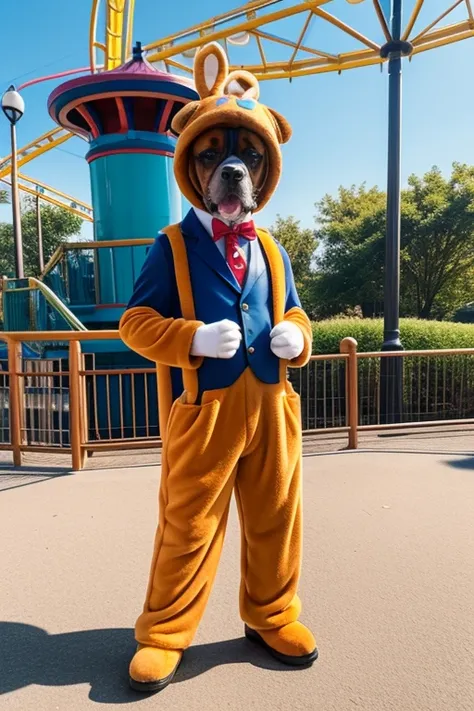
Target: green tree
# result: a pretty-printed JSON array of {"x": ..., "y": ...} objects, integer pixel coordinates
[
  {"x": 301, "y": 246},
  {"x": 4, "y": 197},
  {"x": 437, "y": 245},
  {"x": 351, "y": 230},
  {"x": 438, "y": 241},
  {"x": 58, "y": 225}
]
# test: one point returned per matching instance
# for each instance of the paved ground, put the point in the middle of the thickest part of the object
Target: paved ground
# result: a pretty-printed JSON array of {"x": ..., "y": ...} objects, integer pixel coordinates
[
  {"x": 388, "y": 587},
  {"x": 444, "y": 439}
]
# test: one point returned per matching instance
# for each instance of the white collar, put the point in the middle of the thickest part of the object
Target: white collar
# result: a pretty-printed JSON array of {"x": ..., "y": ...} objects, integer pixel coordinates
[{"x": 206, "y": 219}]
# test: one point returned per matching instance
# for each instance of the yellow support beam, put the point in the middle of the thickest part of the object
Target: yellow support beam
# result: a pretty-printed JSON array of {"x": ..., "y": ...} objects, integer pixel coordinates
[
  {"x": 54, "y": 191},
  {"x": 204, "y": 28},
  {"x": 436, "y": 21},
  {"x": 469, "y": 10},
  {"x": 346, "y": 28},
  {"x": 49, "y": 140},
  {"x": 214, "y": 35},
  {"x": 301, "y": 37},
  {"x": 382, "y": 19},
  {"x": 54, "y": 197},
  {"x": 115, "y": 15},
  {"x": 413, "y": 19},
  {"x": 116, "y": 46},
  {"x": 253, "y": 17},
  {"x": 428, "y": 44},
  {"x": 259, "y": 35},
  {"x": 450, "y": 33},
  {"x": 92, "y": 34}
]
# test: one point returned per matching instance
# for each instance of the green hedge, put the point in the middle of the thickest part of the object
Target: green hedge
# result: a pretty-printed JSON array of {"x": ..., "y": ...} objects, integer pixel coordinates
[{"x": 415, "y": 334}]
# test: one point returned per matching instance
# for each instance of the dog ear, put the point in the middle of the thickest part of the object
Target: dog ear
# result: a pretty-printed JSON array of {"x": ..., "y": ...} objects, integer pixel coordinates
[
  {"x": 210, "y": 70},
  {"x": 183, "y": 116},
  {"x": 281, "y": 125},
  {"x": 242, "y": 84}
]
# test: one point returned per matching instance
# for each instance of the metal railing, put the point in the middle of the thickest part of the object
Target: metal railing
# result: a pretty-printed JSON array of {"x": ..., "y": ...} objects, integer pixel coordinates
[
  {"x": 30, "y": 304},
  {"x": 74, "y": 403},
  {"x": 75, "y": 267}
]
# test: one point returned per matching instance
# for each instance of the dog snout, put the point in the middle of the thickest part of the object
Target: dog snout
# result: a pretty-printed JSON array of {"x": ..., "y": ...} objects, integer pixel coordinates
[{"x": 232, "y": 174}]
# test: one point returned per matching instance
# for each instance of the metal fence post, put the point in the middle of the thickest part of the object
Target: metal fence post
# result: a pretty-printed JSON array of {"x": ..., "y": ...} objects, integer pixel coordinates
[
  {"x": 15, "y": 399},
  {"x": 76, "y": 425},
  {"x": 349, "y": 346}
]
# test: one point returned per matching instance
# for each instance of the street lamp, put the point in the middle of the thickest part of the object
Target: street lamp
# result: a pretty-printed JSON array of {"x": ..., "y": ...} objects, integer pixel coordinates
[{"x": 14, "y": 107}]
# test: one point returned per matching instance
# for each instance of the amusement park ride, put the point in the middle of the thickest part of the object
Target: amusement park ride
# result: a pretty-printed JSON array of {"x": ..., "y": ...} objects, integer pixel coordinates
[{"x": 122, "y": 104}]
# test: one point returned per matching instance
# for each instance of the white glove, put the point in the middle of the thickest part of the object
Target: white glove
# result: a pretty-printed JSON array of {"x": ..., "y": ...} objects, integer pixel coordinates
[
  {"x": 217, "y": 340},
  {"x": 287, "y": 340}
]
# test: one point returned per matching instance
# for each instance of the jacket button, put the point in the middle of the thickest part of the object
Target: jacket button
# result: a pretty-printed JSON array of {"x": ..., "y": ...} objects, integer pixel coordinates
[
  {"x": 245, "y": 307},
  {"x": 251, "y": 350}
]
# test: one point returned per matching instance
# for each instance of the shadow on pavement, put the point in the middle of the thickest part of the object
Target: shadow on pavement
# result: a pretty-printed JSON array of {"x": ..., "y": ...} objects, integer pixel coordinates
[
  {"x": 12, "y": 478},
  {"x": 29, "y": 655},
  {"x": 467, "y": 463}
]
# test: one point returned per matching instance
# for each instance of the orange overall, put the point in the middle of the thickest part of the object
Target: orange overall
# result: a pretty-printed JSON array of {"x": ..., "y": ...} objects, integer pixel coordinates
[{"x": 245, "y": 438}]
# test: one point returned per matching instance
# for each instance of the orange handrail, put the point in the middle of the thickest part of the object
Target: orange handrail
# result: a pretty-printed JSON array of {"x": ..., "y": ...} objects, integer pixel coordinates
[{"x": 351, "y": 377}]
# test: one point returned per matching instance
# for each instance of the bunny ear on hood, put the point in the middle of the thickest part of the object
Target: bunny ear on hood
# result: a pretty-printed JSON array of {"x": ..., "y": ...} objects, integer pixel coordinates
[{"x": 226, "y": 100}]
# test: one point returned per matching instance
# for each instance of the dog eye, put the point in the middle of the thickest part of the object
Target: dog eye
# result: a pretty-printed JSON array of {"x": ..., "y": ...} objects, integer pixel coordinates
[
  {"x": 252, "y": 157},
  {"x": 208, "y": 156}
]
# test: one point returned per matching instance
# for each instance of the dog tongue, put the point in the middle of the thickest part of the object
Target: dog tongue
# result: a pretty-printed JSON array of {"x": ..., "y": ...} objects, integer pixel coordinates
[{"x": 230, "y": 206}]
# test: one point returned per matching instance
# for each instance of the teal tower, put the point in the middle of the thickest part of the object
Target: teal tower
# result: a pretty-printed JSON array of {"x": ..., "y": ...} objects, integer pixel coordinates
[{"x": 125, "y": 114}]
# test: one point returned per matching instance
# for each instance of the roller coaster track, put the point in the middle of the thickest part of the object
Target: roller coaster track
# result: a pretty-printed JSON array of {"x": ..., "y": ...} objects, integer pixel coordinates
[
  {"x": 254, "y": 24},
  {"x": 49, "y": 140},
  {"x": 118, "y": 33},
  {"x": 54, "y": 197},
  {"x": 302, "y": 58}
]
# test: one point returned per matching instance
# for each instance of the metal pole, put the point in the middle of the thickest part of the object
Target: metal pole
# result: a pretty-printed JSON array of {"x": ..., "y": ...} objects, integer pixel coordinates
[
  {"x": 19, "y": 273},
  {"x": 39, "y": 229},
  {"x": 391, "y": 391},
  {"x": 392, "y": 247}
]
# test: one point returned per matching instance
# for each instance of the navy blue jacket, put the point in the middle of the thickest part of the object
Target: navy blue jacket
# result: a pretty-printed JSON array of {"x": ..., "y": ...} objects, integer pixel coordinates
[{"x": 217, "y": 296}]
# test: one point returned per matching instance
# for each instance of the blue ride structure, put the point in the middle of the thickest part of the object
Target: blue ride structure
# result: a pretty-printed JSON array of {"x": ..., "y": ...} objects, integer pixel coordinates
[{"x": 125, "y": 115}]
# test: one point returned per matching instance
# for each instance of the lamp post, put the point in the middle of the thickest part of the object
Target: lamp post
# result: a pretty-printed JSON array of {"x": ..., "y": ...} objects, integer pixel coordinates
[
  {"x": 14, "y": 107},
  {"x": 391, "y": 377}
]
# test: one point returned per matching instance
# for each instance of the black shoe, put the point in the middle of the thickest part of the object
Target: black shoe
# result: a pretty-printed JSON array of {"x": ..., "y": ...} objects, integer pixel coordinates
[{"x": 303, "y": 661}]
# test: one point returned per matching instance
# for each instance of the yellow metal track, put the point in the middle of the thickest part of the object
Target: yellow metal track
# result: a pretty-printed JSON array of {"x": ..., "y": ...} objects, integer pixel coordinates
[
  {"x": 53, "y": 197},
  {"x": 253, "y": 18},
  {"x": 51, "y": 139},
  {"x": 260, "y": 19},
  {"x": 117, "y": 43}
]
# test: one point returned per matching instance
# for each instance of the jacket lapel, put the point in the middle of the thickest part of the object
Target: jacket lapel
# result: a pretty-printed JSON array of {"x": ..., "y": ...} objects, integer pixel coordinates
[
  {"x": 200, "y": 242},
  {"x": 257, "y": 266}
]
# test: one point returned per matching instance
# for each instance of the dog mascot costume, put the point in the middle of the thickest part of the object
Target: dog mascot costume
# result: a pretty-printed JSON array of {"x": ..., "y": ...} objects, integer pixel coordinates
[{"x": 216, "y": 308}]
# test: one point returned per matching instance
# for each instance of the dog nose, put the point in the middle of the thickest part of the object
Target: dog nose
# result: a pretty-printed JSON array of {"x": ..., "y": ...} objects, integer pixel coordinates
[{"x": 232, "y": 174}]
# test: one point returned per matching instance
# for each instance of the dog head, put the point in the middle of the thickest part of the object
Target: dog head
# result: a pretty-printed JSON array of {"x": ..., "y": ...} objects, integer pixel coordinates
[
  {"x": 228, "y": 157},
  {"x": 229, "y": 166}
]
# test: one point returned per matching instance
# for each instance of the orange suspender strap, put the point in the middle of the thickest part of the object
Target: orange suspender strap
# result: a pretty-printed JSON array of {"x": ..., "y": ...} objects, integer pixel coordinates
[
  {"x": 278, "y": 281},
  {"x": 165, "y": 397},
  {"x": 186, "y": 300},
  {"x": 183, "y": 282}
]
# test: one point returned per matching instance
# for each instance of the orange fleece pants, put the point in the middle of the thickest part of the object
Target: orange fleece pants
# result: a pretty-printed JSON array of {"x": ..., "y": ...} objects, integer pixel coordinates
[{"x": 245, "y": 438}]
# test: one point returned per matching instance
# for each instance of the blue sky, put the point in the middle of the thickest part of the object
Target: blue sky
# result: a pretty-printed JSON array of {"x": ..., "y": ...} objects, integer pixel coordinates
[{"x": 339, "y": 122}]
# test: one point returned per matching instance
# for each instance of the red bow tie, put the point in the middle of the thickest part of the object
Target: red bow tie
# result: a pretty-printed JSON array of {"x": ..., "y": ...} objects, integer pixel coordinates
[{"x": 245, "y": 229}]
